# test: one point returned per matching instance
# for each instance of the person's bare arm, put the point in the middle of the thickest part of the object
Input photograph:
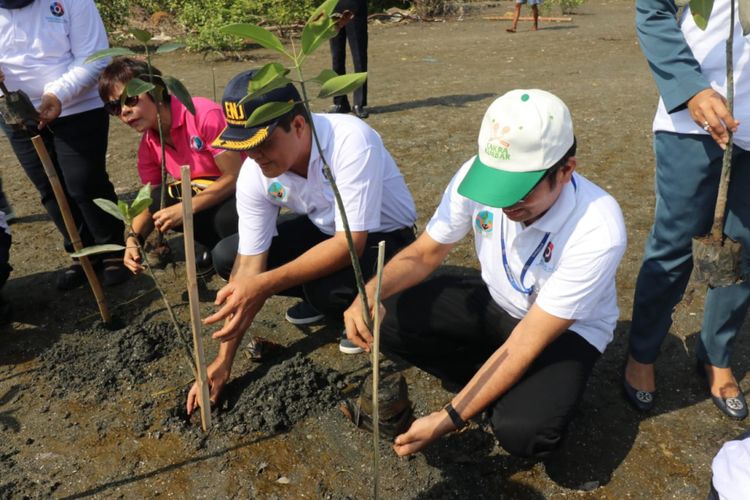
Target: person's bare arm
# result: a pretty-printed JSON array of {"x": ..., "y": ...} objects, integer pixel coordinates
[
  {"x": 496, "y": 376},
  {"x": 407, "y": 268},
  {"x": 240, "y": 307},
  {"x": 229, "y": 163}
]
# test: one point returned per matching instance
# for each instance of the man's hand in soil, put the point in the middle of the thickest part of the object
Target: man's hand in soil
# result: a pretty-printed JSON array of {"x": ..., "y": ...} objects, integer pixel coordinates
[
  {"x": 49, "y": 109},
  {"x": 422, "y": 432},
  {"x": 218, "y": 373},
  {"x": 241, "y": 298},
  {"x": 709, "y": 110},
  {"x": 356, "y": 328},
  {"x": 168, "y": 218}
]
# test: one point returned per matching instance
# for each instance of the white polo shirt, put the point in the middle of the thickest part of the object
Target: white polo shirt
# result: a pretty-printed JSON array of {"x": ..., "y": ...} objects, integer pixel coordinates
[
  {"x": 373, "y": 190},
  {"x": 709, "y": 50},
  {"x": 565, "y": 262},
  {"x": 43, "y": 47}
]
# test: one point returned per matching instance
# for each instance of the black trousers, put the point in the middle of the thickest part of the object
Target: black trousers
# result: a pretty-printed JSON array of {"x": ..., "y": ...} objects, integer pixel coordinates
[
  {"x": 449, "y": 325},
  {"x": 356, "y": 32},
  {"x": 332, "y": 294},
  {"x": 211, "y": 225},
  {"x": 77, "y": 145}
]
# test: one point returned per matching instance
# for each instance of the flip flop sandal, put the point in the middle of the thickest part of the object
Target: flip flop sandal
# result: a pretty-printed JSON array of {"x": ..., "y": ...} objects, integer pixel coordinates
[{"x": 260, "y": 349}]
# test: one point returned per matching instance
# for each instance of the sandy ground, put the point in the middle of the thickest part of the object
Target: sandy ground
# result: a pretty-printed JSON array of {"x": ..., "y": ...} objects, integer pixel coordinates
[{"x": 86, "y": 411}]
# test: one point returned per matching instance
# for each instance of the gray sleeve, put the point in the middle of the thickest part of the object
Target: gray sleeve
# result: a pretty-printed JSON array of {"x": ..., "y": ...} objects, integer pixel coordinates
[{"x": 676, "y": 72}]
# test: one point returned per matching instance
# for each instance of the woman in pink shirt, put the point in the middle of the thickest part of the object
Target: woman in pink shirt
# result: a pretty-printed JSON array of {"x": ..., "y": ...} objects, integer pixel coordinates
[{"x": 187, "y": 139}]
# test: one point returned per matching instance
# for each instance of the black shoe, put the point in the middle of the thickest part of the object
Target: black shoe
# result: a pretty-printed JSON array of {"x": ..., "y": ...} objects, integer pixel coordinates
[
  {"x": 204, "y": 266},
  {"x": 640, "y": 400},
  {"x": 71, "y": 278},
  {"x": 340, "y": 108},
  {"x": 303, "y": 314},
  {"x": 361, "y": 112},
  {"x": 114, "y": 271},
  {"x": 734, "y": 407}
]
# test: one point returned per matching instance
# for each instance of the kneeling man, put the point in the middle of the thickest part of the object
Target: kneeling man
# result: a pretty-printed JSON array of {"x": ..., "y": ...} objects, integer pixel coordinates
[{"x": 523, "y": 334}]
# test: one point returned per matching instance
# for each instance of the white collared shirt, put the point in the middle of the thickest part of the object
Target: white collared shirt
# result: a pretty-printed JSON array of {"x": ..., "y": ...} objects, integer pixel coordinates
[
  {"x": 43, "y": 47},
  {"x": 372, "y": 188},
  {"x": 709, "y": 50},
  {"x": 581, "y": 240}
]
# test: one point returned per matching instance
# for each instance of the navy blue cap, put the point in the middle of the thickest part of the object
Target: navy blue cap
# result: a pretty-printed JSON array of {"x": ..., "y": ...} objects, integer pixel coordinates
[{"x": 236, "y": 136}]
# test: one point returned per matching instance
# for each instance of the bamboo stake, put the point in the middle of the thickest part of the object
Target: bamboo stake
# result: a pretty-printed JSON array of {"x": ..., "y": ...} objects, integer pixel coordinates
[
  {"x": 529, "y": 18},
  {"x": 192, "y": 286},
  {"x": 70, "y": 226},
  {"x": 376, "y": 373},
  {"x": 717, "y": 230}
]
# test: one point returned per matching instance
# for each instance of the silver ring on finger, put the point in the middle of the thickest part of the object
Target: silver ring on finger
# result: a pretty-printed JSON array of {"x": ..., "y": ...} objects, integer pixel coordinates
[{"x": 706, "y": 126}]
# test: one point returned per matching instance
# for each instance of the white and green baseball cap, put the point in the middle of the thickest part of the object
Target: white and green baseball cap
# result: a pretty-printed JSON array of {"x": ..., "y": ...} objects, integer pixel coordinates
[{"x": 523, "y": 133}]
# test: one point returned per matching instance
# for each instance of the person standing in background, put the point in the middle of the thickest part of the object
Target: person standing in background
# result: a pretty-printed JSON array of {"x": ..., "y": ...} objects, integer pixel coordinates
[{"x": 356, "y": 32}]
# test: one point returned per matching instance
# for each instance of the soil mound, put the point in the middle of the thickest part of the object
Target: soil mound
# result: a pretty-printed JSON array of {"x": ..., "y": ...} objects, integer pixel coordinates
[
  {"x": 107, "y": 361},
  {"x": 274, "y": 402}
]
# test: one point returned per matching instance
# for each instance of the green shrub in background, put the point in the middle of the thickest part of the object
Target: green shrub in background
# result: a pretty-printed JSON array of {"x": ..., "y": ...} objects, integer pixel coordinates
[
  {"x": 201, "y": 19},
  {"x": 565, "y": 6}
]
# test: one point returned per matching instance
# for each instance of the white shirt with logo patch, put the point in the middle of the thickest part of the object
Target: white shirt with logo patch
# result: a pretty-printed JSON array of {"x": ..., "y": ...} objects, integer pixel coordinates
[
  {"x": 375, "y": 195},
  {"x": 573, "y": 274},
  {"x": 43, "y": 48}
]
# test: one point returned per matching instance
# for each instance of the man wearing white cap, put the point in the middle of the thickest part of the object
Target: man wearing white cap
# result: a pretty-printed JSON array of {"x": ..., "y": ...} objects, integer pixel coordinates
[{"x": 522, "y": 335}]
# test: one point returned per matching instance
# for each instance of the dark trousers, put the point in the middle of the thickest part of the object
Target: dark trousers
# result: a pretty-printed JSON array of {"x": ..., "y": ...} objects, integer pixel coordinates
[
  {"x": 211, "y": 225},
  {"x": 449, "y": 325},
  {"x": 331, "y": 294},
  {"x": 5, "y": 267},
  {"x": 688, "y": 168},
  {"x": 356, "y": 32},
  {"x": 77, "y": 145}
]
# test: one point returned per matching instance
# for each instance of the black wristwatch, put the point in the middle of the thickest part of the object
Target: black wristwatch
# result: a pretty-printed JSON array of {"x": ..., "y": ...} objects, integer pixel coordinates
[{"x": 458, "y": 422}]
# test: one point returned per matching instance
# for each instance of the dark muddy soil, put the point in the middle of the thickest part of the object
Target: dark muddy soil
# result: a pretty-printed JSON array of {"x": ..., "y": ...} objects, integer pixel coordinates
[{"x": 87, "y": 411}]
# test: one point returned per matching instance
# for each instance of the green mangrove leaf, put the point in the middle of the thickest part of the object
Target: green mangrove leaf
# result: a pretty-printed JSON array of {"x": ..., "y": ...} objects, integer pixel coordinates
[
  {"x": 111, "y": 208},
  {"x": 319, "y": 28},
  {"x": 138, "y": 206},
  {"x": 268, "y": 111},
  {"x": 136, "y": 86},
  {"x": 342, "y": 85},
  {"x": 324, "y": 76},
  {"x": 124, "y": 210},
  {"x": 744, "y": 13},
  {"x": 111, "y": 52},
  {"x": 140, "y": 35},
  {"x": 259, "y": 35},
  {"x": 701, "y": 10},
  {"x": 270, "y": 77},
  {"x": 96, "y": 249},
  {"x": 177, "y": 89},
  {"x": 169, "y": 47},
  {"x": 144, "y": 193}
]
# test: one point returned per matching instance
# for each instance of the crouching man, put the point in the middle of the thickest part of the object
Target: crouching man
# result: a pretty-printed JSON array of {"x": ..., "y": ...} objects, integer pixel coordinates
[
  {"x": 523, "y": 334},
  {"x": 304, "y": 254}
]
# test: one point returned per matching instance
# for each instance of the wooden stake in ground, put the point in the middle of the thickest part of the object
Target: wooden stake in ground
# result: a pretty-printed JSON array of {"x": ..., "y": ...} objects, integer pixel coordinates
[
  {"x": 376, "y": 373},
  {"x": 192, "y": 286},
  {"x": 509, "y": 17},
  {"x": 70, "y": 226}
]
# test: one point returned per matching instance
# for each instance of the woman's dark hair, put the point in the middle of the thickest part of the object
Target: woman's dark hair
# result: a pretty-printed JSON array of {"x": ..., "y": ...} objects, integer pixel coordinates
[{"x": 123, "y": 69}]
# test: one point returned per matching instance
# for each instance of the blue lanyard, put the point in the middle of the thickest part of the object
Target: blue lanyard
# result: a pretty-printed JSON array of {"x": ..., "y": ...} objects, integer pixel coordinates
[{"x": 509, "y": 273}]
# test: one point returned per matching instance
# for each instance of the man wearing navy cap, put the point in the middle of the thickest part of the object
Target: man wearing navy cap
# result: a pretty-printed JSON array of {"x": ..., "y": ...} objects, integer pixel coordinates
[
  {"x": 305, "y": 255},
  {"x": 523, "y": 334}
]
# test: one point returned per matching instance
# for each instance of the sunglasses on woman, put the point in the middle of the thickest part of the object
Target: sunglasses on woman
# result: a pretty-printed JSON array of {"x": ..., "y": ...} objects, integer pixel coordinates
[{"x": 114, "y": 107}]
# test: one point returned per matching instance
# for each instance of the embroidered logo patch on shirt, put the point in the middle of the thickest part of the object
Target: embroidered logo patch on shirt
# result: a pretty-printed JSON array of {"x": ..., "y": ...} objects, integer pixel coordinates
[
  {"x": 483, "y": 222},
  {"x": 197, "y": 144},
  {"x": 548, "y": 252},
  {"x": 57, "y": 9},
  {"x": 278, "y": 191}
]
